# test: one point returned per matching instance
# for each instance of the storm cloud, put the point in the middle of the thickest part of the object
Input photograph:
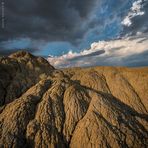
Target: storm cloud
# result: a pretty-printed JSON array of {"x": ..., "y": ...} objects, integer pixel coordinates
[
  {"x": 66, "y": 20},
  {"x": 52, "y": 20}
]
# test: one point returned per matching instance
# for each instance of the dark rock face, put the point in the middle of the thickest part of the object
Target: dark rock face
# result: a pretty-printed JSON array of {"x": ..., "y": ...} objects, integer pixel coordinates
[{"x": 91, "y": 107}]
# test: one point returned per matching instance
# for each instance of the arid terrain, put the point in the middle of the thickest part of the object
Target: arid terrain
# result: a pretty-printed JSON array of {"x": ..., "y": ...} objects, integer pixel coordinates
[{"x": 97, "y": 107}]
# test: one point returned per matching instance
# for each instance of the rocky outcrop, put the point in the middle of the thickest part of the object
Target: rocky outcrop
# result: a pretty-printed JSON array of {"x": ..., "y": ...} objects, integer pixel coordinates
[
  {"x": 19, "y": 72},
  {"x": 90, "y": 107}
]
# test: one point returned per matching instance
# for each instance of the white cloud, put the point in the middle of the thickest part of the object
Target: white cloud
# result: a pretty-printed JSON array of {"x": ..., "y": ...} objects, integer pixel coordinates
[
  {"x": 115, "y": 52},
  {"x": 134, "y": 11}
]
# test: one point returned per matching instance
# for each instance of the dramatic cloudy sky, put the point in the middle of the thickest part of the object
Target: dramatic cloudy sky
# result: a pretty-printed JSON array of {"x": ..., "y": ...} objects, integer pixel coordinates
[{"x": 66, "y": 30}]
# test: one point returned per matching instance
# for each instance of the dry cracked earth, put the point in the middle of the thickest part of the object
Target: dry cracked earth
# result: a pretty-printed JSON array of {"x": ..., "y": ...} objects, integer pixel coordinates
[{"x": 98, "y": 107}]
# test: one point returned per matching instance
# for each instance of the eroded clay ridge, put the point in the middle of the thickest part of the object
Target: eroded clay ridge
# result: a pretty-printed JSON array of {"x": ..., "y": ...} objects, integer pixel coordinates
[{"x": 97, "y": 107}]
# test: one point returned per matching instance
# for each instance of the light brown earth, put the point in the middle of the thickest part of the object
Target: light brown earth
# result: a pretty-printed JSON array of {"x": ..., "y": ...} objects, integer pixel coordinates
[{"x": 98, "y": 107}]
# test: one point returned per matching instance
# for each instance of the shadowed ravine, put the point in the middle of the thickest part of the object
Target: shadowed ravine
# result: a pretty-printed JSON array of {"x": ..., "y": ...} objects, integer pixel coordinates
[{"x": 42, "y": 107}]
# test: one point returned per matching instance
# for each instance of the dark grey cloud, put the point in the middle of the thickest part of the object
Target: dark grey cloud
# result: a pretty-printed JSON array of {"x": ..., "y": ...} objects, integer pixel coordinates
[
  {"x": 93, "y": 54},
  {"x": 46, "y": 19},
  {"x": 66, "y": 20},
  {"x": 141, "y": 41},
  {"x": 137, "y": 59},
  {"x": 117, "y": 48}
]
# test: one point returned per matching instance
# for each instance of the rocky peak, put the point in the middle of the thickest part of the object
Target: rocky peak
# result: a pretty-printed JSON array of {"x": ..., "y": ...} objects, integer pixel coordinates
[{"x": 22, "y": 54}]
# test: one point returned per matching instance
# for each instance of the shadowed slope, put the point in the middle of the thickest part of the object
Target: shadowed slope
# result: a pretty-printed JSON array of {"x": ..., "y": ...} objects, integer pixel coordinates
[{"x": 92, "y": 107}]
